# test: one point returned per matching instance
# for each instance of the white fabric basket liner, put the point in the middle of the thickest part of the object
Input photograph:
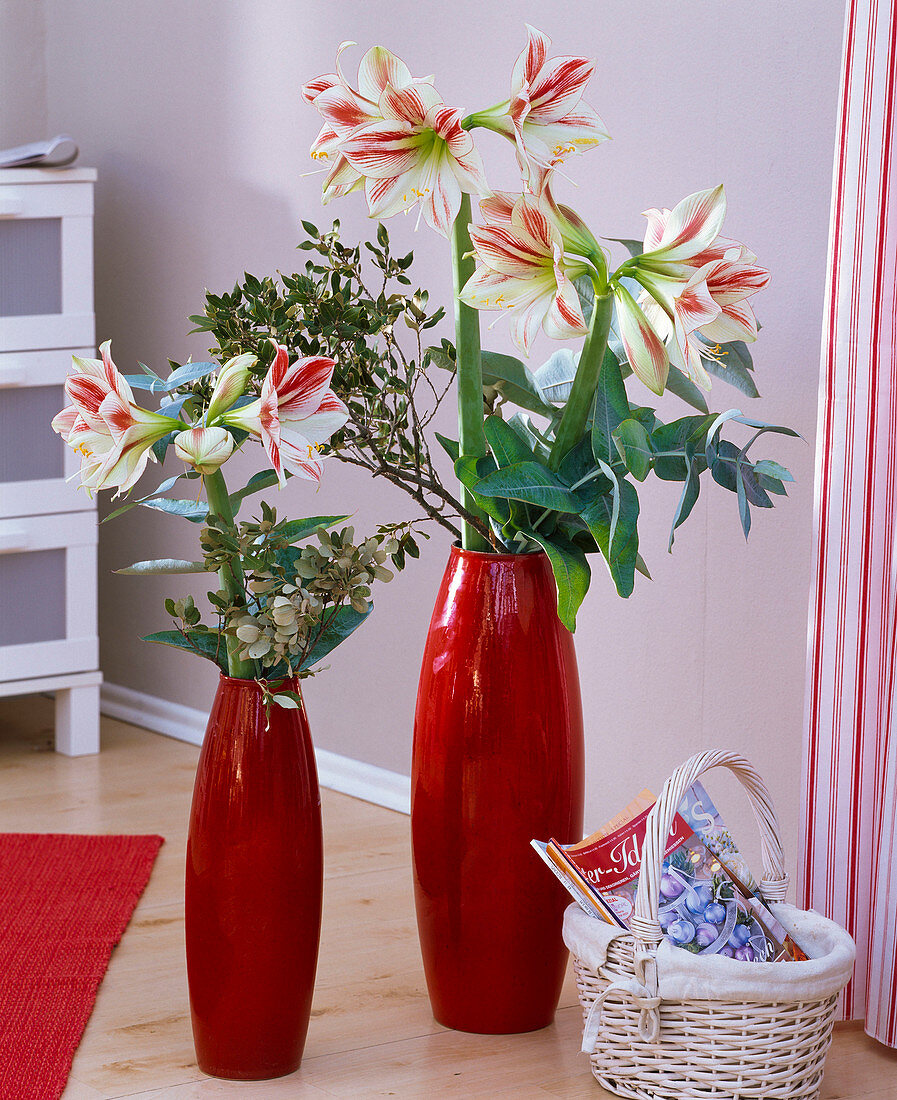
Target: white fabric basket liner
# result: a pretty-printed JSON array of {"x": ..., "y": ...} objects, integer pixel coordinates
[{"x": 684, "y": 976}]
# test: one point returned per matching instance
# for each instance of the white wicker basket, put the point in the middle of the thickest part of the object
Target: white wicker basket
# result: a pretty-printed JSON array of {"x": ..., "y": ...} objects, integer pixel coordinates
[{"x": 665, "y": 1024}]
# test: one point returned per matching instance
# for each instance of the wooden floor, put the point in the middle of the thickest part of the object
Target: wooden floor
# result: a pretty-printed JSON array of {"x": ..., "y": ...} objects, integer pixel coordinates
[{"x": 371, "y": 1032}]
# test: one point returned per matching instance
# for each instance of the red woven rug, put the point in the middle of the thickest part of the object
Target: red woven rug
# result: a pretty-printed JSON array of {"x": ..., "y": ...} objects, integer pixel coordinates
[{"x": 64, "y": 903}]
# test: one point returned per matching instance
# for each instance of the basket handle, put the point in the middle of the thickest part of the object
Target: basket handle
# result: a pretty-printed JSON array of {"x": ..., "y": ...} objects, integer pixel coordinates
[{"x": 645, "y": 925}]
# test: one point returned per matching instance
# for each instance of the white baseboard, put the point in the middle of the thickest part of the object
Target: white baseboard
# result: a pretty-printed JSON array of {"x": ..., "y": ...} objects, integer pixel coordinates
[{"x": 335, "y": 772}]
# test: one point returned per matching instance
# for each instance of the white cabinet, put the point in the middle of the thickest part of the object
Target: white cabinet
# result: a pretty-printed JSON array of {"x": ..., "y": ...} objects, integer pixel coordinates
[{"x": 48, "y": 528}]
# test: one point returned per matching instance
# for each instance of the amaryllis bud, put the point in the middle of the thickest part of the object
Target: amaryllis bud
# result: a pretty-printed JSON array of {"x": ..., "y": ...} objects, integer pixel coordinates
[
  {"x": 205, "y": 449},
  {"x": 230, "y": 384}
]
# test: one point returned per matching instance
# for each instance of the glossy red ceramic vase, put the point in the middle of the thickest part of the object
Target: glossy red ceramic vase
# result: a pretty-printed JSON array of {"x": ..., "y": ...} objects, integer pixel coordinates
[
  {"x": 498, "y": 761},
  {"x": 254, "y": 886}
]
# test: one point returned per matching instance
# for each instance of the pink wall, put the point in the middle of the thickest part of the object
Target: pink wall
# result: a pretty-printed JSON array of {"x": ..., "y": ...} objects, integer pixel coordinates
[{"x": 193, "y": 117}]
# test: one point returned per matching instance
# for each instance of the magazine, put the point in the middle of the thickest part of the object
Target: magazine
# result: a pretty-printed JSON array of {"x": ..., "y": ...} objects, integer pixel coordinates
[{"x": 709, "y": 902}]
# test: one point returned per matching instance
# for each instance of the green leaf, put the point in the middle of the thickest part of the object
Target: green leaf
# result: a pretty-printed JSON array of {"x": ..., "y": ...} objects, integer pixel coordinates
[
  {"x": 289, "y": 700},
  {"x": 766, "y": 467},
  {"x": 683, "y": 387},
  {"x": 295, "y": 530},
  {"x": 161, "y": 446},
  {"x": 635, "y": 448},
  {"x": 440, "y": 358},
  {"x": 193, "y": 510},
  {"x": 513, "y": 381},
  {"x": 506, "y": 445},
  {"x": 744, "y": 509},
  {"x": 610, "y": 408},
  {"x": 734, "y": 366},
  {"x": 470, "y": 471},
  {"x": 586, "y": 293},
  {"x": 529, "y": 482},
  {"x": 203, "y": 643},
  {"x": 622, "y": 554},
  {"x": 554, "y": 379},
  {"x": 264, "y": 479},
  {"x": 162, "y": 565},
  {"x": 451, "y": 446},
  {"x": 634, "y": 248},
  {"x": 189, "y": 372},
  {"x": 343, "y": 623},
  {"x": 571, "y": 574},
  {"x": 690, "y": 491}
]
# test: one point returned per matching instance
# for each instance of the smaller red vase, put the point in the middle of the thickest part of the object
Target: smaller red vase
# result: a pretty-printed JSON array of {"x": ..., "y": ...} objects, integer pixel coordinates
[{"x": 254, "y": 886}]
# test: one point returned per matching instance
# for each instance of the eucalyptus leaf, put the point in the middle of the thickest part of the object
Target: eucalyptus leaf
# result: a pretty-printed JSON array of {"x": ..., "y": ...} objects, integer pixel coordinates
[
  {"x": 451, "y": 446},
  {"x": 264, "y": 479},
  {"x": 609, "y": 408},
  {"x": 621, "y": 555},
  {"x": 733, "y": 364},
  {"x": 554, "y": 379},
  {"x": 530, "y": 482},
  {"x": 506, "y": 445},
  {"x": 513, "y": 381},
  {"x": 189, "y": 372},
  {"x": 690, "y": 491},
  {"x": 295, "y": 530},
  {"x": 571, "y": 574},
  {"x": 766, "y": 467},
  {"x": 682, "y": 386},
  {"x": 744, "y": 509},
  {"x": 470, "y": 471},
  {"x": 343, "y": 623},
  {"x": 635, "y": 448},
  {"x": 204, "y": 643},
  {"x": 634, "y": 248},
  {"x": 162, "y": 565},
  {"x": 195, "y": 511}
]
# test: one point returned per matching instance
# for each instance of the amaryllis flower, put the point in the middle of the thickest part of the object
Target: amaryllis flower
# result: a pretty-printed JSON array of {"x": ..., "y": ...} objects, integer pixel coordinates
[
  {"x": 229, "y": 385},
  {"x": 523, "y": 268},
  {"x": 696, "y": 282},
  {"x": 345, "y": 108},
  {"x": 103, "y": 425},
  {"x": 545, "y": 115},
  {"x": 645, "y": 348},
  {"x": 419, "y": 154},
  {"x": 676, "y": 238},
  {"x": 296, "y": 413},
  {"x": 205, "y": 449},
  {"x": 679, "y": 313}
]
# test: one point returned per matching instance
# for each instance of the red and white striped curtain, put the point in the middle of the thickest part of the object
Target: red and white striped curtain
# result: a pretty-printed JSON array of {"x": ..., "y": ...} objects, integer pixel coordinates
[{"x": 849, "y": 841}]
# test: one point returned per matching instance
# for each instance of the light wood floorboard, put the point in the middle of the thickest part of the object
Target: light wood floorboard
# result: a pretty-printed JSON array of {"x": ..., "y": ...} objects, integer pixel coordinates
[{"x": 371, "y": 1034}]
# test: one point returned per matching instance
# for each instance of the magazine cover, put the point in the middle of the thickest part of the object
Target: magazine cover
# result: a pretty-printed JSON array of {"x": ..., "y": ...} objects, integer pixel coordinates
[{"x": 707, "y": 902}]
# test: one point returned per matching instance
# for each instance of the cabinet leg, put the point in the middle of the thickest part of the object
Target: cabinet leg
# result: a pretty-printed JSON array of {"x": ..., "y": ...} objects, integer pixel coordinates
[{"x": 78, "y": 720}]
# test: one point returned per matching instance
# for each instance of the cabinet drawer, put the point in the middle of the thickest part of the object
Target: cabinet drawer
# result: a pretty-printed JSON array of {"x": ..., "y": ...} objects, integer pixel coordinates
[
  {"x": 34, "y": 461},
  {"x": 46, "y": 265},
  {"x": 48, "y": 595}
]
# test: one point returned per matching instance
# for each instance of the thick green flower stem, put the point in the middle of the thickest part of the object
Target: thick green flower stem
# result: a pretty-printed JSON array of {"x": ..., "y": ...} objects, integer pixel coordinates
[
  {"x": 576, "y": 411},
  {"x": 471, "y": 436},
  {"x": 230, "y": 574}
]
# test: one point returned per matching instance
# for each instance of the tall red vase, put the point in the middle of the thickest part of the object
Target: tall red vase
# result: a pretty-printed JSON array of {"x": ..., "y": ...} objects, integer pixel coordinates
[
  {"x": 254, "y": 886},
  {"x": 498, "y": 760}
]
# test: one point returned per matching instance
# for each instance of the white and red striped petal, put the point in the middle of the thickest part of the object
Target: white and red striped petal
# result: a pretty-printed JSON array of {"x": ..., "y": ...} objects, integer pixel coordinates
[
  {"x": 385, "y": 149},
  {"x": 508, "y": 250},
  {"x": 690, "y": 227},
  {"x": 530, "y": 61},
  {"x": 411, "y": 103},
  {"x": 558, "y": 88},
  {"x": 645, "y": 350},
  {"x": 498, "y": 207},
  {"x": 735, "y": 322},
  {"x": 312, "y": 89},
  {"x": 380, "y": 69}
]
